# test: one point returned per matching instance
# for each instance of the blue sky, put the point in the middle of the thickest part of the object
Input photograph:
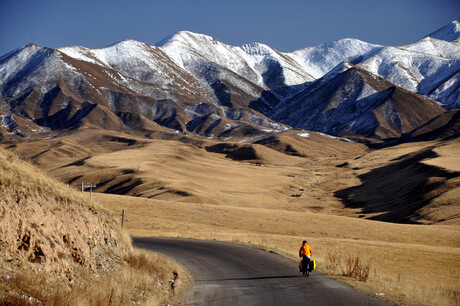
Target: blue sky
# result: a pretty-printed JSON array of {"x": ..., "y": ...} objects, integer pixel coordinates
[{"x": 284, "y": 25}]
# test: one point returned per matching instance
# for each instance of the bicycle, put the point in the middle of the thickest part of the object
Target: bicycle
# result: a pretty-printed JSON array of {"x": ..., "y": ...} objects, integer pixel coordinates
[{"x": 306, "y": 267}]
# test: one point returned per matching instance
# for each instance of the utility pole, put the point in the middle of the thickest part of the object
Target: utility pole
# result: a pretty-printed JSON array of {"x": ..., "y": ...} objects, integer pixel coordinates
[{"x": 122, "y": 217}]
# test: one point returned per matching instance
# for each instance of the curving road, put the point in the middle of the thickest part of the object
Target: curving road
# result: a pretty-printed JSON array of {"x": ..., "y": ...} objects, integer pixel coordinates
[{"x": 231, "y": 274}]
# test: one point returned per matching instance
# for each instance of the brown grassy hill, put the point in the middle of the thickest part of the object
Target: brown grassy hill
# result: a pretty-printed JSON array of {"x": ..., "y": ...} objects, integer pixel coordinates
[
  {"x": 402, "y": 190},
  {"x": 294, "y": 170},
  {"x": 189, "y": 187},
  {"x": 56, "y": 248},
  {"x": 184, "y": 169}
]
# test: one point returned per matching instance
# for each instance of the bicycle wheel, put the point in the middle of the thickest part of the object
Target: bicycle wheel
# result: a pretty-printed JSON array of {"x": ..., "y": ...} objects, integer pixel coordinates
[{"x": 305, "y": 271}]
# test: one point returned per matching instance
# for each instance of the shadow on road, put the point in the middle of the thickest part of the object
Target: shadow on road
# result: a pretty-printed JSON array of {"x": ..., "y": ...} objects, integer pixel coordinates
[{"x": 248, "y": 278}]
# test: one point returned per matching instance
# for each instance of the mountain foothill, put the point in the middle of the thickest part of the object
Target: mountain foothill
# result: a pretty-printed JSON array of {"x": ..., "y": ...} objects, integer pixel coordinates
[{"x": 340, "y": 99}]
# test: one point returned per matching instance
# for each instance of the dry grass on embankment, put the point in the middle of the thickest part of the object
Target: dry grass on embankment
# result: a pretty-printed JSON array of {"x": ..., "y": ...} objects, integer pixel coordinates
[
  {"x": 141, "y": 278},
  {"x": 57, "y": 249}
]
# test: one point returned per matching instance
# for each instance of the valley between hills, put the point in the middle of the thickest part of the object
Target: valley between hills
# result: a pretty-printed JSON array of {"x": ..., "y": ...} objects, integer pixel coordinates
[{"x": 332, "y": 192}]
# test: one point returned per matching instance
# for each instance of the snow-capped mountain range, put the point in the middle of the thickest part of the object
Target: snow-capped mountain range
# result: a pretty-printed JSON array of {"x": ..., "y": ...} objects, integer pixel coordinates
[{"x": 192, "y": 83}]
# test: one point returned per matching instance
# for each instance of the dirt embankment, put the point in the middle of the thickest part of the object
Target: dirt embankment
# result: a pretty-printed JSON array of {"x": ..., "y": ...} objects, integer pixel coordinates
[
  {"x": 44, "y": 224},
  {"x": 54, "y": 246}
]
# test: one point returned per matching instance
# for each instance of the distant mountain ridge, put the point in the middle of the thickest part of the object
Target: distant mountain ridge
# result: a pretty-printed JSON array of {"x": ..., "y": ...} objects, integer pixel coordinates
[{"x": 192, "y": 83}]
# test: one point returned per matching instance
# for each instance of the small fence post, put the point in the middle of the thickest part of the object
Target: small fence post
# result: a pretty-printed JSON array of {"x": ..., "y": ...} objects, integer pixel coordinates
[{"x": 122, "y": 217}]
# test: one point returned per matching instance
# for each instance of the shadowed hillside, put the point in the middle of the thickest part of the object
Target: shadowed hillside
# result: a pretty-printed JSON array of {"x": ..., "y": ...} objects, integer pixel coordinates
[{"x": 398, "y": 192}]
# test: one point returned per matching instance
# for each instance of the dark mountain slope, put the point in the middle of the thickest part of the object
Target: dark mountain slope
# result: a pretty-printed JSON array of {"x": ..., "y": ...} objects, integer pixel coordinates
[{"x": 355, "y": 103}]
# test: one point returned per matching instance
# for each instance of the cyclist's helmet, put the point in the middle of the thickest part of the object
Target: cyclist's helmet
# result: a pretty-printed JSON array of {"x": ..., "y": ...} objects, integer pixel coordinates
[{"x": 304, "y": 242}]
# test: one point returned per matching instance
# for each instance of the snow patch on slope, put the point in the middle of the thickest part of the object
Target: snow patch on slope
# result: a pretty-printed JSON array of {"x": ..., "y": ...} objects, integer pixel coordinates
[
  {"x": 303, "y": 135},
  {"x": 8, "y": 122},
  {"x": 336, "y": 138},
  {"x": 80, "y": 53}
]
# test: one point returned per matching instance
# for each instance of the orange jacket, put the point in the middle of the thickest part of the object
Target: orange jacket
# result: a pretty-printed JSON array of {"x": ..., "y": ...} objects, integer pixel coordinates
[{"x": 305, "y": 249}]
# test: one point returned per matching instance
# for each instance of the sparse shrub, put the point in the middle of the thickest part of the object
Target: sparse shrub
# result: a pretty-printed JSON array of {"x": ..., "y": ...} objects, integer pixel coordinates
[
  {"x": 350, "y": 266},
  {"x": 332, "y": 262},
  {"x": 354, "y": 267}
]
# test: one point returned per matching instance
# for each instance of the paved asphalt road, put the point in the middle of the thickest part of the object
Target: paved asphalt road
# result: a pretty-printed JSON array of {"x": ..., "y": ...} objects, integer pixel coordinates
[{"x": 232, "y": 274}]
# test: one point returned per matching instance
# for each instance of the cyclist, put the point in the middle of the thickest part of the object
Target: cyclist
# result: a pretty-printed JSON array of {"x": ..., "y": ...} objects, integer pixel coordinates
[{"x": 305, "y": 252}]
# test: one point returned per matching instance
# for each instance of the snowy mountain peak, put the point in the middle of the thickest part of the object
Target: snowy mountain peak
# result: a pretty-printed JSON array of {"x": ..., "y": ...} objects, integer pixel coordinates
[
  {"x": 115, "y": 53},
  {"x": 450, "y": 32},
  {"x": 31, "y": 45},
  {"x": 185, "y": 37},
  {"x": 128, "y": 43},
  {"x": 322, "y": 58},
  {"x": 257, "y": 49},
  {"x": 435, "y": 47},
  {"x": 22, "y": 59},
  {"x": 30, "y": 48},
  {"x": 125, "y": 48}
]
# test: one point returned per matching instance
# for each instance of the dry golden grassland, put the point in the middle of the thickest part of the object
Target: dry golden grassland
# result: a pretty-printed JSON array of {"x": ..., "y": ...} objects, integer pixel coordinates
[
  {"x": 253, "y": 204},
  {"x": 401, "y": 257},
  {"x": 142, "y": 278},
  {"x": 58, "y": 249},
  {"x": 177, "y": 189}
]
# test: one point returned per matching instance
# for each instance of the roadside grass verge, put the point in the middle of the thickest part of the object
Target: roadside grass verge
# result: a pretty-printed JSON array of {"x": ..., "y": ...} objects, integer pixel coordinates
[
  {"x": 402, "y": 291},
  {"x": 141, "y": 278},
  {"x": 363, "y": 272}
]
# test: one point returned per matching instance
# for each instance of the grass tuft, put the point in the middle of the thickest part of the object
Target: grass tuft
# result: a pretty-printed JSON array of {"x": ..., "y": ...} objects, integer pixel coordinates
[
  {"x": 354, "y": 267},
  {"x": 143, "y": 262},
  {"x": 349, "y": 266}
]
